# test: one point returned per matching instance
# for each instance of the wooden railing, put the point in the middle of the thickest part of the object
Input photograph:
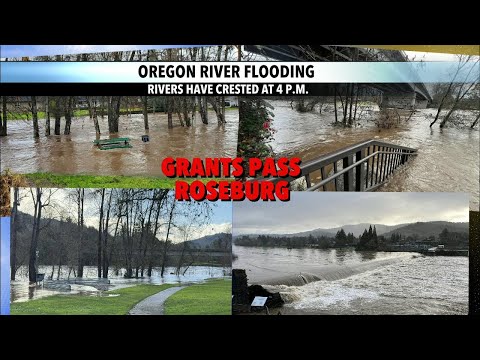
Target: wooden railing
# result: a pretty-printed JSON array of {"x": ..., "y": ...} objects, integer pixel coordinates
[{"x": 361, "y": 167}]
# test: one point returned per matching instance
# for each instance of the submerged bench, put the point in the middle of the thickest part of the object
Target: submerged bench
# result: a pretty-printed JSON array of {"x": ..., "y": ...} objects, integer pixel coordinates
[{"x": 114, "y": 143}]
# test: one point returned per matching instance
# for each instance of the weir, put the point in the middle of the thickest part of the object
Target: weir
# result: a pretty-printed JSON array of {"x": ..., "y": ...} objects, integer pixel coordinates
[
  {"x": 364, "y": 166},
  {"x": 332, "y": 272}
]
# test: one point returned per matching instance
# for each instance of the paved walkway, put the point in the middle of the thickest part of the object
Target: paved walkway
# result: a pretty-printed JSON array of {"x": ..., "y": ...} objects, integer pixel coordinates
[{"x": 153, "y": 305}]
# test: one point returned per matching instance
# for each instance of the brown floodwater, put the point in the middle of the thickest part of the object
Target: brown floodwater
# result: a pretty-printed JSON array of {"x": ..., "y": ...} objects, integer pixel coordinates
[
  {"x": 447, "y": 161},
  {"x": 76, "y": 154}
]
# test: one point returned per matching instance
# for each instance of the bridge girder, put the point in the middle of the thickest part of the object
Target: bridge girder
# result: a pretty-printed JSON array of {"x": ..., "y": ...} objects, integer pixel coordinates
[{"x": 342, "y": 53}]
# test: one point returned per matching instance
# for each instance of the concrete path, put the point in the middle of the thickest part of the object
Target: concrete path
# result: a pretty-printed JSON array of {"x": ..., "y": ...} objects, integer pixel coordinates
[{"x": 153, "y": 305}]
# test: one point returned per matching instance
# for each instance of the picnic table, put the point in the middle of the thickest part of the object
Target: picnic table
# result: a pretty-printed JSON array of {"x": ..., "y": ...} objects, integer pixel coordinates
[{"x": 113, "y": 143}]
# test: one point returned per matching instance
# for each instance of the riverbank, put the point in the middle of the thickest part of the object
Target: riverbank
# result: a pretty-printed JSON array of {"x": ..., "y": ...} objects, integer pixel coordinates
[
  {"x": 114, "y": 302},
  {"x": 93, "y": 181},
  {"x": 213, "y": 297}
]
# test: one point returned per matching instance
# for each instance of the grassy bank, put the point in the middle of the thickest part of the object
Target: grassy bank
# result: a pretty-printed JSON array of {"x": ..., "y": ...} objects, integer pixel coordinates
[
  {"x": 107, "y": 181},
  {"x": 93, "y": 181},
  {"x": 41, "y": 115},
  {"x": 88, "y": 305},
  {"x": 211, "y": 298},
  {"x": 84, "y": 112}
]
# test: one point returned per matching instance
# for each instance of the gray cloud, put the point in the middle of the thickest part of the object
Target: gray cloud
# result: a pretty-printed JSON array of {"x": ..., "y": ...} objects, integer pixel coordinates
[{"x": 307, "y": 211}]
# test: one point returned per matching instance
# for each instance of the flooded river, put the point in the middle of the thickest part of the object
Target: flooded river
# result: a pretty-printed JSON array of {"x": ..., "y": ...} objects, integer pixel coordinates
[
  {"x": 448, "y": 159},
  {"x": 76, "y": 154},
  {"x": 20, "y": 291},
  {"x": 343, "y": 281}
]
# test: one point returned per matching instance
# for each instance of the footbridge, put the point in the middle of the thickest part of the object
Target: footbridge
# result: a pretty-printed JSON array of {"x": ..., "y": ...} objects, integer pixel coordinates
[{"x": 364, "y": 166}]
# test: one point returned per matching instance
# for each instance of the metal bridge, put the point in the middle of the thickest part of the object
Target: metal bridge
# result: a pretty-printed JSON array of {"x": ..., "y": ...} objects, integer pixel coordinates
[
  {"x": 360, "y": 167},
  {"x": 415, "y": 91}
]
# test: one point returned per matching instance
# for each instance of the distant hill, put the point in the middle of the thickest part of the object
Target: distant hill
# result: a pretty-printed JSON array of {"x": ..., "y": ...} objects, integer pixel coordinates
[
  {"x": 422, "y": 229},
  {"x": 426, "y": 229},
  {"x": 356, "y": 229},
  {"x": 216, "y": 241}
]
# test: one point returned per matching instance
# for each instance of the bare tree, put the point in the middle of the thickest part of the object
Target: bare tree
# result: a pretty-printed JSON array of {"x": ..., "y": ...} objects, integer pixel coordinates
[
  {"x": 463, "y": 61},
  {"x": 13, "y": 235},
  {"x": 100, "y": 227},
  {"x": 39, "y": 203}
]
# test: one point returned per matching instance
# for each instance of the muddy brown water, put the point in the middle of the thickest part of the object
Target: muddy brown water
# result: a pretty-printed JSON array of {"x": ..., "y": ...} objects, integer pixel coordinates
[
  {"x": 76, "y": 154},
  {"x": 448, "y": 159}
]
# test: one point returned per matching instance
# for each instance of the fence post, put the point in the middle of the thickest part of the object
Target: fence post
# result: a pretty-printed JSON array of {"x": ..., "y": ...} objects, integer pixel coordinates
[
  {"x": 359, "y": 171},
  {"x": 348, "y": 176}
]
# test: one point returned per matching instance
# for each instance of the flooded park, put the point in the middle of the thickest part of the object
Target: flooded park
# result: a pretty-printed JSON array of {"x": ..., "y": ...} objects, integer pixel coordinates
[
  {"x": 68, "y": 246},
  {"x": 447, "y": 161},
  {"x": 90, "y": 285},
  {"x": 76, "y": 153}
]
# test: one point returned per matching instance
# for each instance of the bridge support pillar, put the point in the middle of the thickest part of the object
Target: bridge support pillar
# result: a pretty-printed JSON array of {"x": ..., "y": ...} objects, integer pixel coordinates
[{"x": 404, "y": 101}]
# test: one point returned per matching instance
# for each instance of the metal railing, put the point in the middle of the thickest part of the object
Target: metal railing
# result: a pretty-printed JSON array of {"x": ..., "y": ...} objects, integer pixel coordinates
[{"x": 361, "y": 167}]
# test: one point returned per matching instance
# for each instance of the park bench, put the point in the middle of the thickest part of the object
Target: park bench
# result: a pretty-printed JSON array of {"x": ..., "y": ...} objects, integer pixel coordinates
[
  {"x": 114, "y": 143},
  {"x": 39, "y": 278}
]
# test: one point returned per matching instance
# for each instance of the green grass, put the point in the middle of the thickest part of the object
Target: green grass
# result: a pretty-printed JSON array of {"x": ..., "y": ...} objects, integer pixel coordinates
[
  {"x": 211, "y": 298},
  {"x": 88, "y": 305},
  {"x": 41, "y": 115},
  {"x": 93, "y": 181},
  {"x": 107, "y": 181}
]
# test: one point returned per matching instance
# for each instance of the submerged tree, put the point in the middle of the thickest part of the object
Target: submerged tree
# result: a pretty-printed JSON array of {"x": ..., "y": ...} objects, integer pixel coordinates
[
  {"x": 463, "y": 80},
  {"x": 41, "y": 199}
]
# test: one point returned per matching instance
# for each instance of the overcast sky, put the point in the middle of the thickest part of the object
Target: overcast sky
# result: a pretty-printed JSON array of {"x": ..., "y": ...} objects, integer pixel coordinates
[
  {"x": 221, "y": 220},
  {"x": 311, "y": 210}
]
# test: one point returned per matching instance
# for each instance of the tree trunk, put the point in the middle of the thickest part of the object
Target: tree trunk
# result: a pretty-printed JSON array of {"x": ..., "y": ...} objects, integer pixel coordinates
[
  {"x": 58, "y": 116},
  {"x": 36, "y": 132},
  {"x": 32, "y": 270},
  {"x": 47, "y": 117},
  {"x": 3, "y": 118},
  {"x": 13, "y": 235},
  {"x": 165, "y": 247},
  {"x": 350, "y": 122},
  {"x": 440, "y": 106},
  {"x": 80, "y": 260},
  {"x": 113, "y": 113},
  {"x": 105, "y": 237},
  {"x": 346, "y": 105},
  {"x": 59, "y": 268},
  {"x": 145, "y": 111},
  {"x": 169, "y": 113},
  {"x": 335, "y": 103},
  {"x": 99, "y": 241},
  {"x": 203, "y": 109},
  {"x": 475, "y": 122},
  {"x": 186, "y": 116},
  {"x": 68, "y": 115},
  {"x": 95, "y": 121}
]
